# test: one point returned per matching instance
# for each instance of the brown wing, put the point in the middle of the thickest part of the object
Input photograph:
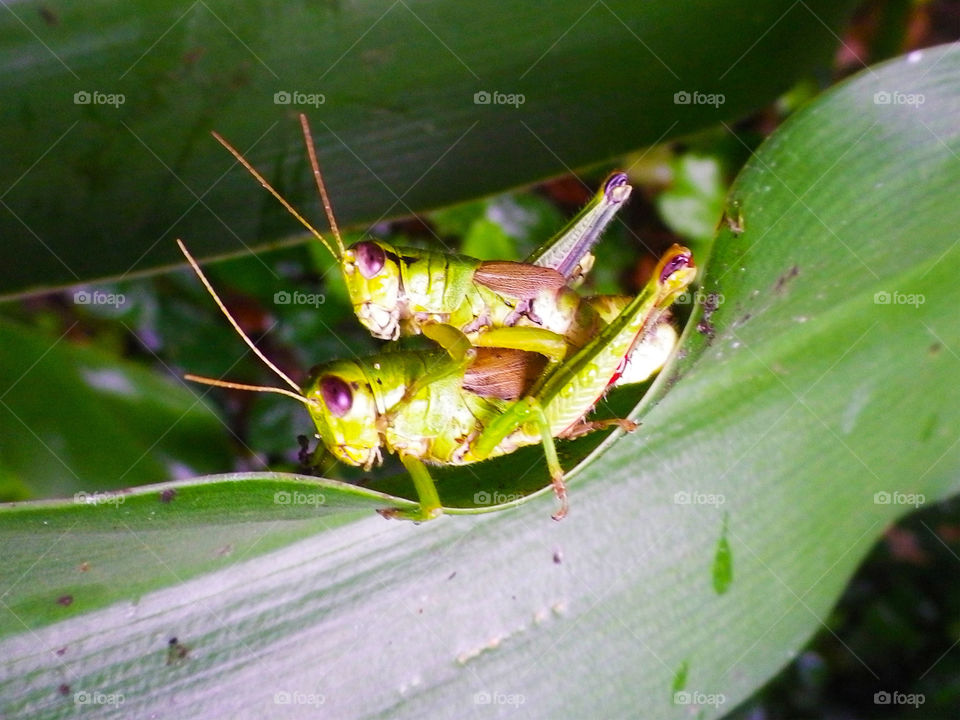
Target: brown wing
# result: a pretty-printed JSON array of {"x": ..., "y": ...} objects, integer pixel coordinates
[
  {"x": 518, "y": 280},
  {"x": 501, "y": 373}
]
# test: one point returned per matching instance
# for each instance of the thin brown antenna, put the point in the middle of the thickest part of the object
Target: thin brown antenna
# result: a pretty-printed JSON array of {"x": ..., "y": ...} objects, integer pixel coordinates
[
  {"x": 242, "y": 386},
  {"x": 327, "y": 207},
  {"x": 240, "y": 332},
  {"x": 263, "y": 181}
]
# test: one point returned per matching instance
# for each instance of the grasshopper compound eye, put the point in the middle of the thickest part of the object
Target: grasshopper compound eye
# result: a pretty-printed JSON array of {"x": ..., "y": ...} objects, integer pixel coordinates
[
  {"x": 616, "y": 189},
  {"x": 370, "y": 258},
  {"x": 337, "y": 395},
  {"x": 678, "y": 262}
]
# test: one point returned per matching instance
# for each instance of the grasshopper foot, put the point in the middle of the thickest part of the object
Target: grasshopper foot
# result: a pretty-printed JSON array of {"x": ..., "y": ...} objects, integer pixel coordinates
[
  {"x": 417, "y": 515},
  {"x": 560, "y": 490},
  {"x": 305, "y": 456},
  {"x": 309, "y": 459},
  {"x": 585, "y": 427}
]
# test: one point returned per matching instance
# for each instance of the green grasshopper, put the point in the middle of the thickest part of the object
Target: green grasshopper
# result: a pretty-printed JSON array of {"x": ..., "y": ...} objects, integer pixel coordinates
[
  {"x": 467, "y": 404},
  {"x": 398, "y": 291}
]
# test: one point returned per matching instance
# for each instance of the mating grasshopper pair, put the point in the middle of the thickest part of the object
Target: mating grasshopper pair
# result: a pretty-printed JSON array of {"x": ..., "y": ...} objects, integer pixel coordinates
[{"x": 523, "y": 356}]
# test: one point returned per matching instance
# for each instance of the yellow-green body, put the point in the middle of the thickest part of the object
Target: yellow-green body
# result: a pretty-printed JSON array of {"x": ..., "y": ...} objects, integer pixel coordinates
[
  {"x": 435, "y": 424},
  {"x": 446, "y": 408},
  {"x": 415, "y": 287},
  {"x": 452, "y": 406},
  {"x": 398, "y": 291}
]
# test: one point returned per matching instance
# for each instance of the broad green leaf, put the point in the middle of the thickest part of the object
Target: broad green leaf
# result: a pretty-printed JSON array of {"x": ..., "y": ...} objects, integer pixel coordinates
[
  {"x": 169, "y": 532},
  {"x": 107, "y": 109},
  {"x": 75, "y": 419},
  {"x": 812, "y": 407}
]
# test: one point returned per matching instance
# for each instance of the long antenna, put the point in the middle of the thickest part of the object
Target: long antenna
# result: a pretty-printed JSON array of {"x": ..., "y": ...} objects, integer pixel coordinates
[
  {"x": 241, "y": 386},
  {"x": 247, "y": 340},
  {"x": 327, "y": 207},
  {"x": 263, "y": 181}
]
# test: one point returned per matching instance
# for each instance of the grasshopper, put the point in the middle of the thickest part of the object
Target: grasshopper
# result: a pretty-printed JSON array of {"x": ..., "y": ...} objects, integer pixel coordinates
[
  {"x": 398, "y": 290},
  {"x": 467, "y": 404}
]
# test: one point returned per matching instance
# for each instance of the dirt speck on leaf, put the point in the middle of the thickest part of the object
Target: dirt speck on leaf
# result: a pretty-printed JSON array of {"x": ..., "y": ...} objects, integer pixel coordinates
[
  {"x": 786, "y": 278},
  {"x": 710, "y": 305},
  {"x": 49, "y": 16},
  {"x": 735, "y": 223},
  {"x": 176, "y": 651}
]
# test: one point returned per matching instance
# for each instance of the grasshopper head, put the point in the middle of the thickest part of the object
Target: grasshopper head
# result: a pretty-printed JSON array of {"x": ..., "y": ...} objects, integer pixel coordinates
[
  {"x": 344, "y": 410},
  {"x": 371, "y": 270}
]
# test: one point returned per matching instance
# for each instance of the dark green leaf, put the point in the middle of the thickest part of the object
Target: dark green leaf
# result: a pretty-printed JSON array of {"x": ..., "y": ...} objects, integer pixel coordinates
[
  {"x": 94, "y": 187},
  {"x": 76, "y": 419}
]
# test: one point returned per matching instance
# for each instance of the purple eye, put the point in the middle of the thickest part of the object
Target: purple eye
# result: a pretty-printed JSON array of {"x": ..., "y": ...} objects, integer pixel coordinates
[
  {"x": 615, "y": 181},
  {"x": 336, "y": 395},
  {"x": 370, "y": 258},
  {"x": 681, "y": 260}
]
